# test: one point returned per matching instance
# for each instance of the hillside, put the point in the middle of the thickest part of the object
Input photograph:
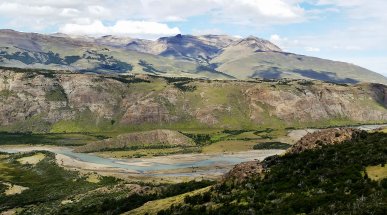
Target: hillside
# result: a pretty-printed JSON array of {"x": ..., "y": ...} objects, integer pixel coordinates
[
  {"x": 45, "y": 187},
  {"x": 334, "y": 179},
  {"x": 37, "y": 100},
  {"x": 207, "y": 56},
  {"x": 147, "y": 140}
]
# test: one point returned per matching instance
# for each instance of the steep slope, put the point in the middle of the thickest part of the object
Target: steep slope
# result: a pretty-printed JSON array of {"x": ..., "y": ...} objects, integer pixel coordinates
[
  {"x": 71, "y": 102},
  {"x": 207, "y": 57},
  {"x": 200, "y": 49},
  {"x": 312, "y": 141},
  {"x": 256, "y": 58},
  {"x": 245, "y": 47},
  {"x": 85, "y": 54},
  {"x": 330, "y": 180}
]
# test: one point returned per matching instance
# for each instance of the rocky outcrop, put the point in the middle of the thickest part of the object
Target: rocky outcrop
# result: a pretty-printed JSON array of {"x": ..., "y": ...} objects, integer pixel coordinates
[
  {"x": 318, "y": 102},
  {"x": 243, "y": 171},
  {"x": 325, "y": 137},
  {"x": 256, "y": 44},
  {"x": 148, "y": 139},
  {"x": 247, "y": 170}
]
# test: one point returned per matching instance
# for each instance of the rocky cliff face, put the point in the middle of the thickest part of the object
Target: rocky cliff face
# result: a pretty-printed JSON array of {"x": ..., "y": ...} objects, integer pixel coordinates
[
  {"x": 322, "y": 138},
  {"x": 78, "y": 102},
  {"x": 319, "y": 102}
]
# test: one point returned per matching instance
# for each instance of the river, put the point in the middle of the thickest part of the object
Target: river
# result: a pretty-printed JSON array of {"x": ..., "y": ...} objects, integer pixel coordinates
[{"x": 171, "y": 165}]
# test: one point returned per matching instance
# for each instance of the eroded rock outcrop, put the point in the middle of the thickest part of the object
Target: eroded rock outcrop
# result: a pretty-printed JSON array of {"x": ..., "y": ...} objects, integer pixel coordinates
[
  {"x": 243, "y": 171},
  {"x": 325, "y": 137}
]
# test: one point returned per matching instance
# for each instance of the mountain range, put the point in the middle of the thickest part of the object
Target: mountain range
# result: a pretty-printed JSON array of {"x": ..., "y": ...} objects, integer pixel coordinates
[{"x": 206, "y": 57}]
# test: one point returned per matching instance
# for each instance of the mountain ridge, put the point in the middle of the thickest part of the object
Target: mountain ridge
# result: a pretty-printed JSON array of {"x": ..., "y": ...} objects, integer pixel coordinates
[{"x": 205, "y": 56}]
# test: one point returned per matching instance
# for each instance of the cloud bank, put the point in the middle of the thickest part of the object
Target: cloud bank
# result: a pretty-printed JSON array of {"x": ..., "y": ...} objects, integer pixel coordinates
[
  {"x": 141, "y": 29},
  {"x": 142, "y": 17}
]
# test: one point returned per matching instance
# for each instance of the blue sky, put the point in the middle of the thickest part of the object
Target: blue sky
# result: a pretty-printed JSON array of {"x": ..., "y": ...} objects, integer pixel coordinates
[{"x": 353, "y": 31}]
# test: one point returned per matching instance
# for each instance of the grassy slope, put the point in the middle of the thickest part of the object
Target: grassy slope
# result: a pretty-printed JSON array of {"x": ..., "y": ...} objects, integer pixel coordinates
[
  {"x": 244, "y": 66},
  {"x": 54, "y": 190},
  {"x": 153, "y": 207},
  {"x": 237, "y": 62},
  {"x": 47, "y": 182},
  {"x": 66, "y": 47},
  {"x": 63, "y": 139}
]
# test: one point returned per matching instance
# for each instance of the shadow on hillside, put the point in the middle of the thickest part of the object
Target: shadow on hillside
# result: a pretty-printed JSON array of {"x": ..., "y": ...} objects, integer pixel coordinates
[
  {"x": 276, "y": 73},
  {"x": 272, "y": 73},
  {"x": 325, "y": 76}
]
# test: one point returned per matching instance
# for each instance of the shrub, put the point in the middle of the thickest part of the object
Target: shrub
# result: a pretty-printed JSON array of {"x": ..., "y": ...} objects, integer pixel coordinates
[{"x": 271, "y": 145}]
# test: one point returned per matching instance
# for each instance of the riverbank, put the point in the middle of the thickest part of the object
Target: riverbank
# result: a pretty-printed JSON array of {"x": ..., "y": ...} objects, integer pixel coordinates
[
  {"x": 172, "y": 166},
  {"x": 168, "y": 167}
]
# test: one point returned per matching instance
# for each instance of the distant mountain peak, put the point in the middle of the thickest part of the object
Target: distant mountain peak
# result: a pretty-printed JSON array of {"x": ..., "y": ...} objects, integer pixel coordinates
[
  {"x": 258, "y": 44},
  {"x": 8, "y": 31},
  {"x": 59, "y": 35}
]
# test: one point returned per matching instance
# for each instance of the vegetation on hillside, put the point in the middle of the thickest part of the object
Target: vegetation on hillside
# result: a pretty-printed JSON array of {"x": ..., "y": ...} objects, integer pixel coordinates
[
  {"x": 69, "y": 139},
  {"x": 331, "y": 180},
  {"x": 51, "y": 189},
  {"x": 271, "y": 145},
  {"x": 129, "y": 102}
]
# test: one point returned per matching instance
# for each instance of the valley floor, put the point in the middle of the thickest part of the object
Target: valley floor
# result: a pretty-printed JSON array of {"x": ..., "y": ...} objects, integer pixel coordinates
[
  {"x": 158, "y": 181},
  {"x": 172, "y": 167}
]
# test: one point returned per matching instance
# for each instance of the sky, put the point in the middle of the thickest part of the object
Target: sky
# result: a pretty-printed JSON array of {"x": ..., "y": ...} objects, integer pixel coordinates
[{"x": 353, "y": 31}]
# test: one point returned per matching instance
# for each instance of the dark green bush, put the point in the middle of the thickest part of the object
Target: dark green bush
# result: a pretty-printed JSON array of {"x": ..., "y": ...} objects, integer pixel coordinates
[{"x": 271, "y": 145}]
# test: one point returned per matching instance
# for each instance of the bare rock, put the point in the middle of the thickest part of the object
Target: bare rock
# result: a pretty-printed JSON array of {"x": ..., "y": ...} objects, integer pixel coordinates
[
  {"x": 243, "y": 171},
  {"x": 324, "y": 137}
]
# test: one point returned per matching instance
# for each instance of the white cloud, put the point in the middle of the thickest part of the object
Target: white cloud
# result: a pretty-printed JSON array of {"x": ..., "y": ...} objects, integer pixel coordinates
[
  {"x": 276, "y": 39},
  {"x": 69, "y": 12},
  {"x": 284, "y": 43},
  {"x": 312, "y": 49},
  {"x": 149, "y": 30},
  {"x": 360, "y": 9},
  {"x": 258, "y": 12},
  {"x": 377, "y": 64},
  {"x": 213, "y": 31},
  {"x": 54, "y": 13}
]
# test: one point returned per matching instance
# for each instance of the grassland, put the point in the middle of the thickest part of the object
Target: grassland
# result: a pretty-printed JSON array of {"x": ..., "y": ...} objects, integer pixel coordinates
[
  {"x": 207, "y": 141},
  {"x": 45, "y": 182},
  {"x": 377, "y": 173},
  {"x": 229, "y": 146},
  {"x": 59, "y": 139},
  {"x": 32, "y": 160},
  {"x": 140, "y": 153},
  {"x": 153, "y": 207}
]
